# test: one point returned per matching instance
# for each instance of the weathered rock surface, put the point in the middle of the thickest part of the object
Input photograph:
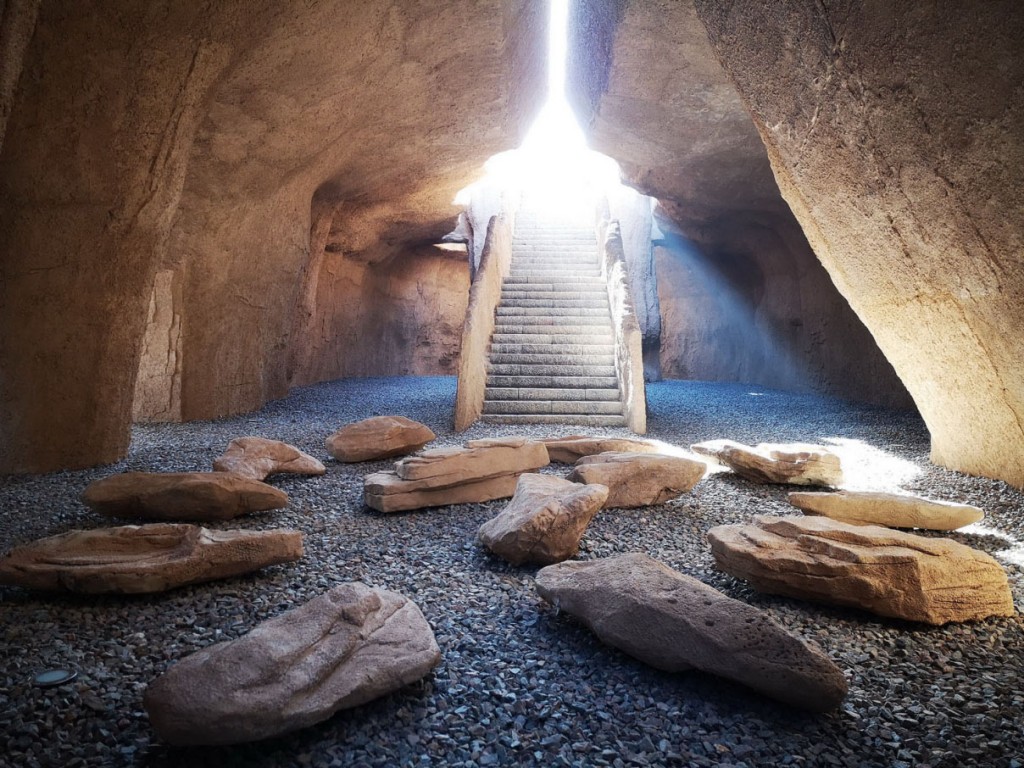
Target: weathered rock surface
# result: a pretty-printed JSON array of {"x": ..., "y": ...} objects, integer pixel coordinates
[
  {"x": 544, "y": 521},
  {"x": 387, "y": 492},
  {"x": 570, "y": 449},
  {"x": 181, "y": 495},
  {"x": 144, "y": 558},
  {"x": 258, "y": 458},
  {"x": 888, "y": 509},
  {"x": 379, "y": 437},
  {"x": 891, "y": 573},
  {"x": 787, "y": 463},
  {"x": 675, "y": 623},
  {"x": 349, "y": 646},
  {"x": 639, "y": 479}
]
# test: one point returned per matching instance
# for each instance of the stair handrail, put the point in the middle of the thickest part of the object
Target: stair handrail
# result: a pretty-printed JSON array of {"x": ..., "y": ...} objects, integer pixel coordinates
[
  {"x": 477, "y": 328},
  {"x": 629, "y": 355}
]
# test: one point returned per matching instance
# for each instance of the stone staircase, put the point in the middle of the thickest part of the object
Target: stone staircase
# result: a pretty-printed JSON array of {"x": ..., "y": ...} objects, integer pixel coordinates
[{"x": 552, "y": 354}]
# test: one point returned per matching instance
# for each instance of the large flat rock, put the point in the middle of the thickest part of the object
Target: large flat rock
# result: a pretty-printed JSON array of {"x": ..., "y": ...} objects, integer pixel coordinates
[
  {"x": 891, "y": 573},
  {"x": 444, "y": 467},
  {"x": 387, "y": 492},
  {"x": 675, "y": 623},
  {"x": 786, "y": 463},
  {"x": 197, "y": 496},
  {"x": 570, "y": 449},
  {"x": 639, "y": 479},
  {"x": 349, "y": 646},
  {"x": 144, "y": 558},
  {"x": 257, "y": 458},
  {"x": 888, "y": 509},
  {"x": 544, "y": 521},
  {"x": 379, "y": 437}
]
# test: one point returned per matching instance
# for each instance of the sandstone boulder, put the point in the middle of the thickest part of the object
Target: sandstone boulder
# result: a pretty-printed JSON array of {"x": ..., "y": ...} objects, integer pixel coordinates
[
  {"x": 787, "y": 463},
  {"x": 891, "y": 573},
  {"x": 349, "y": 646},
  {"x": 544, "y": 521},
  {"x": 195, "y": 496},
  {"x": 568, "y": 450},
  {"x": 257, "y": 458},
  {"x": 639, "y": 479},
  {"x": 482, "y": 471},
  {"x": 675, "y": 623},
  {"x": 889, "y": 509},
  {"x": 144, "y": 558},
  {"x": 380, "y": 437}
]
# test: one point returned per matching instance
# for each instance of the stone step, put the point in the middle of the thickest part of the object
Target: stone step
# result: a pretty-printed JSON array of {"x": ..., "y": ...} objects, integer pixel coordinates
[
  {"x": 560, "y": 370},
  {"x": 585, "y": 287},
  {"x": 542, "y": 334},
  {"x": 569, "y": 278},
  {"x": 553, "y": 259},
  {"x": 586, "y": 407},
  {"x": 548, "y": 393},
  {"x": 551, "y": 418},
  {"x": 586, "y": 292},
  {"x": 552, "y": 382},
  {"x": 550, "y": 358},
  {"x": 553, "y": 271},
  {"x": 573, "y": 319},
  {"x": 555, "y": 307},
  {"x": 541, "y": 349}
]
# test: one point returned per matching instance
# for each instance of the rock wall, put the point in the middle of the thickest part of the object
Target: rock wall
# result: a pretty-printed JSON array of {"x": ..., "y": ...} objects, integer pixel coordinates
[
  {"x": 218, "y": 143},
  {"x": 894, "y": 131}
]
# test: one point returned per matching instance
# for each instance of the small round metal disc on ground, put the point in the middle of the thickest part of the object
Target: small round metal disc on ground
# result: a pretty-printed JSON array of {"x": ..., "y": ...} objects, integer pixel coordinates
[{"x": 53, "y": 677}]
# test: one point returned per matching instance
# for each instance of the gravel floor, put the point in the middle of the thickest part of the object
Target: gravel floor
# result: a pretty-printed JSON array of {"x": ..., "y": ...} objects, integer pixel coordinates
[{"x": 519, "y": 685}]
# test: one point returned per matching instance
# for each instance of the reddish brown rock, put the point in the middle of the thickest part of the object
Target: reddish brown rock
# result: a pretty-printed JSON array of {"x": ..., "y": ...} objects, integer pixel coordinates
[
  {"x": 144, "y": 558},
  {"x": 544, "y": 521},
  {"x": 379, "y": 437},
  {"x": 786, "y": 463},
  {"x": 568, "y": 450},
  {"x": 257, "y": 458},
  {"x": 639, "y": 479},
  {"x": 676, "y": 623},
  {"x": 891, "y": 573},
  {"x": 195, "y": 496},
  {"x": 349, "y": 646},
  {"x": 889, "y": 509}
]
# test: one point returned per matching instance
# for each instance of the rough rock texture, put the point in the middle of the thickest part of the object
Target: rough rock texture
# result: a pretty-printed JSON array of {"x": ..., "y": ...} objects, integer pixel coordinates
[
  {"x": 544, "y": 521},
  {"x": 158, "y": 384},
  {"x": 379, "y": 437},
  {"x": 569, "y": 449},
  {"x": 349, "y": 646},
  {"x": 257, "y": 458},
  {"x": 894, "y": 134},
  {"x": 639, "y": 479},
  {"x": 676, "y": 623},
  {"x": 891, "y": 573},
  {"x": 233, "y": 145},
  {"x": 181, "y": 495},
  {"x": 792, "y": 463},
  {"x": 740, "y": 293},
  {"x": 134, "y": 559},
  {"x": 889, "y": 509},
  {"x": 386, "y": 492}
]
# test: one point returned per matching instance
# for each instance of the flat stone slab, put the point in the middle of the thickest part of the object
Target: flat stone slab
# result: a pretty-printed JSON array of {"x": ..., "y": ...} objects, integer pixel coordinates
[
  {"x": 379, "y": 437},
  {"x": 786, "y": 463},
  {"x": 568, "y": 450},
  {"x": 134, "y": 559},
  {"x": 349, "y": 646},
  {"x": 888, "y": 572},
  {"x": 676, "y": 623},
  {"x": 479, "y": 459},
  {"x": 195, "y": 496},
  {"x": 639, "y": 479},
  {"x": 387, "y": 492},
  {"x": 257, "y": 458},
  {"x": 544, "y": 521},
  {"x": 889, "y": 509}
]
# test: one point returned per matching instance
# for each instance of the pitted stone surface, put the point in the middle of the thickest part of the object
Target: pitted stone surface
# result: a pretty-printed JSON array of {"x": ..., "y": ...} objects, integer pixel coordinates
[
  {"x": 257, "y": 458},
  {"x": 379, "y": 437},
  {"x": 639, "y": 479},
  {"x": 889, "y": 509}
]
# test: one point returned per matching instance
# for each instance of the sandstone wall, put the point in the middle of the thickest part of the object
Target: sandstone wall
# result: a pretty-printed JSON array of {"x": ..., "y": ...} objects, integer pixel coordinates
[
  {"x": 894, "y": 131},
  {"x": 208, "y": 142}
]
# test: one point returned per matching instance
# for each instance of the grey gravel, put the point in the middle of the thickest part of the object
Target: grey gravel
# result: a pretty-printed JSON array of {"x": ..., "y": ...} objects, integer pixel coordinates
[{"x": 519, "y": 684}]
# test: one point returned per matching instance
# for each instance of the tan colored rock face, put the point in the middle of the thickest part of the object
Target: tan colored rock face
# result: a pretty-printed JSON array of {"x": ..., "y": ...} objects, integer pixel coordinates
[
  {"x": 349, "y": 646},
  {"x": 544, "y": 521},
  {"x": 887, "y": 509},
  {"x": 386, "y": 492},
  {"x": 639, "y": 479},
  {"x": 134, "y": 559},
  {"x": 787, "y": 463},
  {"x": 891, "y": 573},
  {"x": 257, "y": 458},
  {"x": 675, "y": 623},
  {"x": 181, "y": 496},
  {"x": 568, "y": 450},
  {"x": 379, "y": 437}
]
